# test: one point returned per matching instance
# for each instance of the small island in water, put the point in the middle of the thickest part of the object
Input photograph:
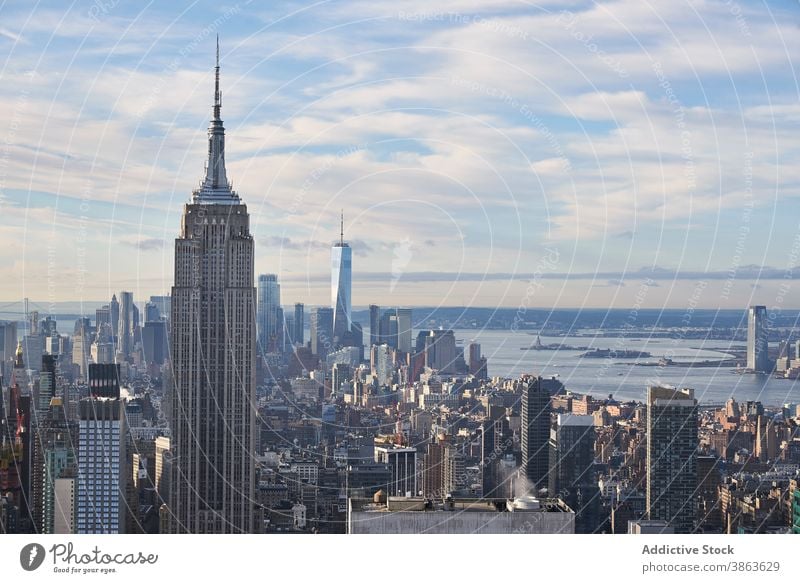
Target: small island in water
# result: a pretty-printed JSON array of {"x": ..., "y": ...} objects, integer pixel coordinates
[{"x": 612, "y": 353}]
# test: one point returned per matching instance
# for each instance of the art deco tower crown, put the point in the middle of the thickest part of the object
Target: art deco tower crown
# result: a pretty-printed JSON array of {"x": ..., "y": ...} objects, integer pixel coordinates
[{"x": 215, "y": 188}]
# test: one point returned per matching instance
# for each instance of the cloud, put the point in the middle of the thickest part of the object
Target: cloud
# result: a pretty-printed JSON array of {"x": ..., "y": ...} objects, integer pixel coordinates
[
  {"x": 4, "y": 32},
  {"x": 611, "y": 278},
  {"x": 286, "y": 243},
  {"x": 480, "y": 130},
  {"x": 150, "y": 244}
]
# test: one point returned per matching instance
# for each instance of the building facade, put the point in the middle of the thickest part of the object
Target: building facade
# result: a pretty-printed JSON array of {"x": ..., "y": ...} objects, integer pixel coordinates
[
  {"x": 672, "y": 457},
  {"x": 269, "y": 327},
  {"x": 213, "y": 344},
  {"x": 100, "y": 496},
  {"x": 535, "y": 434},
  {"x": 757, "y": 339}
]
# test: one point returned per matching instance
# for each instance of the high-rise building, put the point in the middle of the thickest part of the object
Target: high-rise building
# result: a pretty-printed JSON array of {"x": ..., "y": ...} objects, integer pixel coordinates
[
  {"x": 402, "y": 462},
  {"x": 33, "y": 345},
  {"x": 8, "y": 345},
  {"x": 104, "y": 380},
  {"x": 757, "y": 339},
  {"x": 340, "y": 373},
  {"x": 125, "y": 326},
  {"x": 433, "y": 471},
  {"x": 382, "y": 363},
  {"x": 443, "y": 470},
  {"x": 341, "y": 287},
  {"x": 571, "y": 452},
  {"x": 162, "y": 469},
  {"x": 474, "y": 358},
  {"x": 154, "y": 341},
  {"x": 213, "y": 344},
  {"x": 47, "y": 383},
  {"x": 672, "y": 456},
  {"x": 48, "y": 327},
  {"x": 19, "y": 436},
  {"x": 56, "y": 445},
  {"x": 288, "y": 331},
  {"x": 64, "y": 505},
  {"x": 298, "y": 337},
  {"x": 535, "y": 434},
  {"x": 81, "y": 351},
  {"x": 269, "y": 302},
  {"x": 387, "y": 328},
  {"x": 404, "y": 331},
  {"x": 374, "y": 324},
  {"x": 321, "y": 332},
  {"x": 497, "y": 441},
  {"x": 113, "y": 312},
  {"x": 100, "y": 496},
  {"x": 439, "y": 348},
  {"x": 151, "y": 313},
  {"x": 102, "y": 352},
  {"x": 572, "y": 469},
  {"x": 163, "y": 303}
]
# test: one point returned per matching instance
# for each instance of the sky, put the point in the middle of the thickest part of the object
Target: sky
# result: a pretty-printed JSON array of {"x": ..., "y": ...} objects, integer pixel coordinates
[{"x": 619, "y": 154}]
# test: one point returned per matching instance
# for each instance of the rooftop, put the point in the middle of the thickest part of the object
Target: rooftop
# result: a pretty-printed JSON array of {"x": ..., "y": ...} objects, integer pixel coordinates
[{"x": 492, "y": 505}]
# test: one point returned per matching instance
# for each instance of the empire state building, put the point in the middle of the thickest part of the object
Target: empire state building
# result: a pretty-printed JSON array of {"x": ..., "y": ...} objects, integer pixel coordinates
[{"x": 213, "y": 349}]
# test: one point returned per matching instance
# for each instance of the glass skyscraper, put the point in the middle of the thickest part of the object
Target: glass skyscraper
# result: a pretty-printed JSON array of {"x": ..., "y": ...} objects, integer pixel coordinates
[
  {"x": 757, "y": 339},
  {"x": 672, "y": 457},
  {"x": 269, "y": 303},
  {"x": 341, "y": 287}
]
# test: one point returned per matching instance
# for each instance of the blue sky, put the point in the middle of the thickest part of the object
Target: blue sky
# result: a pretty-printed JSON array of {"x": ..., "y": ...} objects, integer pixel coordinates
[{"x": 485, "y": 153}]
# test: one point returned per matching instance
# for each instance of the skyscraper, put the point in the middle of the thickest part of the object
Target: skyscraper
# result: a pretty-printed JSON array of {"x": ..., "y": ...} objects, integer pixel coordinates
[
  {"x": 497, "y": 441},
  {"x": 81, "y": 350},
  {"x": 20, "y": 428},
  {"x": 102, "y": 477},
  {"x": 287, "y": 321},
  {"x": 34, "y": 348},
  {"x": 269, "y": 301},
  {"x": 113, "y": 314},
  {"x": 387, "y": 328},
  {"x": 299, "y": 325},
  {"x": 382, "y": 363},
  {"x": 374, "y": 324},
  {"x": 439, "y": 348},
  {"x": 154, "y": 341},
  {"x": 125, "y": 329},
  {"x": 151, "y": 312},
  {"x": 8, "y": 344},
  {"x": 571, "y": 469},
  {"x": 535, "y": 433},
  {"x": 404, "y": 332},
  {"x": 322, "y": 332},
  {"x": 341, "y": 286},
  {"x": 757, "y": 339},
  {"x": 55, "y": 447},
  {"x": 213, "y": 344},
  {"x": 47, "y": 383},
  {"x": 672, "y": 456}
]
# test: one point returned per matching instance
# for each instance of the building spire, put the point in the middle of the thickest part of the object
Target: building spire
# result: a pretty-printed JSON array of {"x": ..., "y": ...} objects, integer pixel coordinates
[
  {"x": 341, "y": 230},
  {"x": 217, "y": 94},
  {"x": 18, "y": 360},
  {"x": 215, "y": 188}
]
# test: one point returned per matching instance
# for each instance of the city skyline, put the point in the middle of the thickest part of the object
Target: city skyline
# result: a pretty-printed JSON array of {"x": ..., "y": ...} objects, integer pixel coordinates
[
  {"x": 562, "y": 301},
  {"x": 473, "y": 111}
]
